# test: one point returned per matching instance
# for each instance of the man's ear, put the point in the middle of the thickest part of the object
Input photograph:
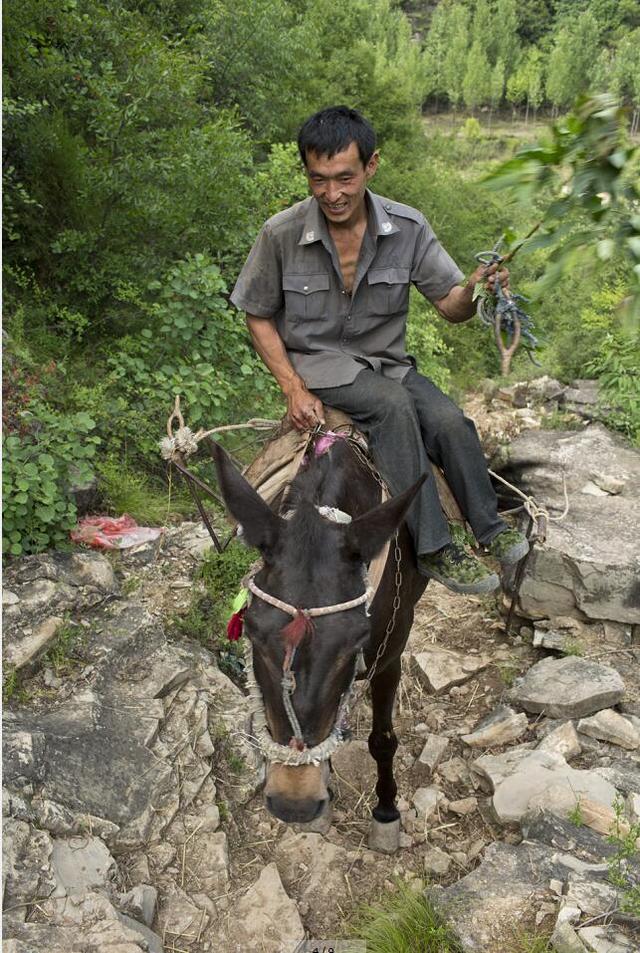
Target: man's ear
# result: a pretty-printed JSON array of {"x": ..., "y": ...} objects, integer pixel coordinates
[
  {"x": 260, "y": 525},
  {"x": 372, "y": 165},
  {"x": 367, "y": 534}
]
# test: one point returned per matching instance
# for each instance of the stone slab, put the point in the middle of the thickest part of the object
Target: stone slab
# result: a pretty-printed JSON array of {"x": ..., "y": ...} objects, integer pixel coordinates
[
  {"x": 569, "y": 687},
  {"x": 439, "y": 669}
]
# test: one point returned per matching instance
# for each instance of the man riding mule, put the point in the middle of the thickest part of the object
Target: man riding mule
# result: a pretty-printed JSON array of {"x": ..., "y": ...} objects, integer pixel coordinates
[{"x": 325, "y": 290}]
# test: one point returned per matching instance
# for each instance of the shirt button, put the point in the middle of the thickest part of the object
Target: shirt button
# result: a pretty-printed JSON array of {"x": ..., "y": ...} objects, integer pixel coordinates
[
  {"x": 348, "y": 317},
  {"x": 305, "y": 288}
]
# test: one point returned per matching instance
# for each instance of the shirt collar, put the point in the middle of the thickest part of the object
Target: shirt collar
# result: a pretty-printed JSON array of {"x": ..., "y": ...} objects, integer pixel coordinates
[{"x": 314, "y": 228}]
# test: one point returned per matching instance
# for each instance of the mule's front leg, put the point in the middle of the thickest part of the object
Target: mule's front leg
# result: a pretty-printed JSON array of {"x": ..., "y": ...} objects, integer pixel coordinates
[{"x": 385, "y": 826}]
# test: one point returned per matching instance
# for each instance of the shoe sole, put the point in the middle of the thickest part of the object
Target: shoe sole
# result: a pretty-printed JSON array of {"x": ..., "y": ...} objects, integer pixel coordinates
[
  {"x": 482, "y": 587},
  {"x": 515, "y": 554}
]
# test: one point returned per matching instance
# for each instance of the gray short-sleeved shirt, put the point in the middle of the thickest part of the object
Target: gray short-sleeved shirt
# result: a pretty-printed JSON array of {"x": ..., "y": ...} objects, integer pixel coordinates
[{"x": 292, "y": 275}]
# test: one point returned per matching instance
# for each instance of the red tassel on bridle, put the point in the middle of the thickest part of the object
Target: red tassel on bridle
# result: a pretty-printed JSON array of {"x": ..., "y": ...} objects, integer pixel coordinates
[
  {"x": 295, "y": 631},
  {"x": 235, "y": 624}
]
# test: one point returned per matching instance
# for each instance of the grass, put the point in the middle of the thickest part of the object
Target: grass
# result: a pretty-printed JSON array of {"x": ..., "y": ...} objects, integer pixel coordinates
[
  {"x": 63, "y": 653},
  {"x": 508, "y": 674},
  {"x": 575, "y": 815},
  {"x": 405, "y": 922},
  {"x": 13, "y": 688},
  {"x": 573, "y": 647},
  {"x": 625, "y": 838},
  {"x": 126, "y": 490},
  {"x": 561, "y": 420}
]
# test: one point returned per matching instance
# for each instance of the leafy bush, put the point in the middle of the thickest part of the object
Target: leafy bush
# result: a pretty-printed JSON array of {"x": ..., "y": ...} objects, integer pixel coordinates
[
  {"x": 617, "y": 367},
  {"x": 41, "y": 463}
]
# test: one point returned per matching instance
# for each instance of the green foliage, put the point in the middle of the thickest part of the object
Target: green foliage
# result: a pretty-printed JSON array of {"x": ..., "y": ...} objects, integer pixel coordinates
[
  {"x": 126, "y": 490},
  {"x": 583, "y": 171},
  {"x": 65, "y": 652},
  {"x": 624, "y": 837},
  {"x": 617, "y": 367},
  {"x": 42, "y": 461},
  {"x": 575, "y": 815},
  {"x": 472, "y": 129},
  {"x": 405, "y": 922}
]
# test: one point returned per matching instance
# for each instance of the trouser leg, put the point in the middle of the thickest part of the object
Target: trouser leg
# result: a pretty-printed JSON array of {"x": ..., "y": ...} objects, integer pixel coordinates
[
  {"x": 383, "y": 409},
  {"x": 451, "y": 440}
]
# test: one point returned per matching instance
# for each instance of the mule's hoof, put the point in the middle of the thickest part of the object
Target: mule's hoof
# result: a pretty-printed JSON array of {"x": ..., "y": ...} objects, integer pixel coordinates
[
  {"x": 384, "y": 838},
  {"x": 320, "y": 824}
]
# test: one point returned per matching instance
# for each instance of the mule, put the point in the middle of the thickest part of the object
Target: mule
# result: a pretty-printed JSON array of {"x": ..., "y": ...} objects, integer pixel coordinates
[{"x": 310, "y": 560}]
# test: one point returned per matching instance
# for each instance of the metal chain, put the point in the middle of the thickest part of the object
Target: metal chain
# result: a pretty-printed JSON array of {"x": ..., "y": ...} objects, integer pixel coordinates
[{"x": 366, "y": 682}]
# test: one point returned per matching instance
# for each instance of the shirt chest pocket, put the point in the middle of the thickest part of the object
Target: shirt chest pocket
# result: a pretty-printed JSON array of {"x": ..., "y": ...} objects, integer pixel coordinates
[
  {"x": 388, "y": 290},
  {"x": 306, "y": 296}
]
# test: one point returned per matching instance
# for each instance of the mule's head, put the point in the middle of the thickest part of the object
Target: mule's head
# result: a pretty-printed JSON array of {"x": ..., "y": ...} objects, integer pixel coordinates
[{"x": 309, "y": 561}]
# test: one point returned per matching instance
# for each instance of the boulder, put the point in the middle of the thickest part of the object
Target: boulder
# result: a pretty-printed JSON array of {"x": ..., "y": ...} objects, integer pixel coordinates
[
  {"x": 607, "y": 940},
  {"x": 439, "y": 669},
  {"x": 609, "y": 725},
  {"x": 562, "y": 740},
  {"x": 499, "y": 727},
  {"x": 541, "y": 780},
  {"x": 590, "y": 562},
  {"x": 265, "y": 918},
  {"x": 569, "y": 687}
]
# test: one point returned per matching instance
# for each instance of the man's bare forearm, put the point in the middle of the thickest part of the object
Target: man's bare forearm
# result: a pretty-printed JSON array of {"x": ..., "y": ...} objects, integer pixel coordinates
[
  {"x": 270, "y": 347},
  {"x": 458, "y": 305},
  {"x": 304, "y": 409}
]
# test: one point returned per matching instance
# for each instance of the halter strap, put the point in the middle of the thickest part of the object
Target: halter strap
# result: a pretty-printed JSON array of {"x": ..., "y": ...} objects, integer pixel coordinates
[{"x": 317, "y": 610}]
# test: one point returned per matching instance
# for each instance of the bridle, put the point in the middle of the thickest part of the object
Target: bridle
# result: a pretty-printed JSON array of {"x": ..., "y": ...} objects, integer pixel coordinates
[{"x": 296, "y": 752}]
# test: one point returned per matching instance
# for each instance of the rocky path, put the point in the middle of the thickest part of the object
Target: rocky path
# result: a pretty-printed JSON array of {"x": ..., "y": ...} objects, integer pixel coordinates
[{"x": 133, "y": 818}]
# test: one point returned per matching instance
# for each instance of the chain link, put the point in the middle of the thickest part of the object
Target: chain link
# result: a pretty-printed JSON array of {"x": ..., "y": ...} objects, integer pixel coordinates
[{"x": 398, "y": 579}]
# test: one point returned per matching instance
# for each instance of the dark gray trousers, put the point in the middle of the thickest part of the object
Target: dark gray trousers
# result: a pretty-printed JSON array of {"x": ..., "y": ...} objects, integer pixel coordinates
[{"x": 406, "y": 420}]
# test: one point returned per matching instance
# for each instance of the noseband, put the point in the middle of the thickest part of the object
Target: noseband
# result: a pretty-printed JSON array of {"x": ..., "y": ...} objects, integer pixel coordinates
[{"x": 296, "y": 752}]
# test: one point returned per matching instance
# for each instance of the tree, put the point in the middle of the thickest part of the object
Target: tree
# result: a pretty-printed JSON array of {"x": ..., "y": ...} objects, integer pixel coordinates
[
  {"x": 476, "y": 87},
  {"x": 574, "y": 52},
  {"x": 456, "y": 59},
  {"x": 505, "y": 44},
  {"x": 436, "y": 48},
  {"x": 496, "y": 85}
]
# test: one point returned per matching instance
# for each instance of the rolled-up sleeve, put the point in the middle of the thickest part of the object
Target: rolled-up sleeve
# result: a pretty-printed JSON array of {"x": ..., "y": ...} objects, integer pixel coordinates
[
  {"x": 433, "y": 272},
  {"x": 258, "y": 289}
]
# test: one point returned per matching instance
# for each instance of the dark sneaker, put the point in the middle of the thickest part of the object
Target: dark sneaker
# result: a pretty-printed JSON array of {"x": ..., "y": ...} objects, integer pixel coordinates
[
  {"x": 509, "y": 547},
  {"x": 458, "y": 571}
]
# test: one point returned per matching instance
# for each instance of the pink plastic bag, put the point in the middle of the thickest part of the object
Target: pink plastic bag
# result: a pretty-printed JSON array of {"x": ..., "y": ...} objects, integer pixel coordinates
[{"x": 110, "y": 532}]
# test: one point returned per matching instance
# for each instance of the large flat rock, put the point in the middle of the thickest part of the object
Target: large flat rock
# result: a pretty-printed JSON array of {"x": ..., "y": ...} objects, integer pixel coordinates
[
  {"x": 570, "y": 687},
  {"x": 265, "y": 918},
  {"x": 440, "y": 669},
  {"x": 590, "y": 562}
]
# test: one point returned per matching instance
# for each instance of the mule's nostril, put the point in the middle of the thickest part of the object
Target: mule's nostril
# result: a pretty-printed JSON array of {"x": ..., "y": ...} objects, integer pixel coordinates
[{"x": 294, "y": 812}]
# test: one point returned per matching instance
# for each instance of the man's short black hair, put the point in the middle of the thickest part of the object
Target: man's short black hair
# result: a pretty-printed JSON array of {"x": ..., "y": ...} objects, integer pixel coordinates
[{"x": 333, "y": 130}]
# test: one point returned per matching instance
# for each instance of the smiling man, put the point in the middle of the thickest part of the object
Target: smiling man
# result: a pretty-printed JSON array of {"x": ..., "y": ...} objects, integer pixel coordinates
[{"x": 326, "y": 294}]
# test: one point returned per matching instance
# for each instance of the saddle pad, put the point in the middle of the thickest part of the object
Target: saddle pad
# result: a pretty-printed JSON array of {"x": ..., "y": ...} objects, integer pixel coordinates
[{"x": 275, "y": 467}]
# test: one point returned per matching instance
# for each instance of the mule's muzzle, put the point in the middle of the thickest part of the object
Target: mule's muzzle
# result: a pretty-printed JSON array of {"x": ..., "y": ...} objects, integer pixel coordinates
[{"x": 294, "y": 811}]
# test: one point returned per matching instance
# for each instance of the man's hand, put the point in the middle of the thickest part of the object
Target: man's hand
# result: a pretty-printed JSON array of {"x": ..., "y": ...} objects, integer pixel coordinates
[
  {"x": 304, "y": 410},
  {"x": 490, "y": 274}
]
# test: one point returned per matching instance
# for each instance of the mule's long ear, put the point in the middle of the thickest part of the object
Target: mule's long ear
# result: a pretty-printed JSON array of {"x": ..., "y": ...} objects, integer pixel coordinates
[
  {"x": 368, "y": 533},
  {"x": 260, "y": 525}
]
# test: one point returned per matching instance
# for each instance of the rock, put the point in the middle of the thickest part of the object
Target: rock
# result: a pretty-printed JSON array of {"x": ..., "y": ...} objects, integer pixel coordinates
[
  {"x": 556, "y": 640},
  {"x": 455, "y": 771},
  {"x": 499, "y": 727},
  {"x": 431, "y": 755},
  {"x": 608, "y": 482},
  {"x": 506, "y": 889},
  {"x": 569, "y": 687},
  {"x": 264, "y": 918},
  {"x": 466, "y": 805},
  {"x": 141, "y": 903},
  {"x": 9, "y": 598},
  {"x": 625, "y": 775},
  {"x": 80, "y": 864},
  {"x": 563, "y": 740},
  {"x": 18, "y": 652},
  {"x": 177, "y": 915},
  {"x": 578, "y": 572},
  {"x": 608, "y": 725},
  {"x": 353, "y": 764},
  {"x": 581, "y": 843},
  {"x": 440, "y": 668},
  {"x": 493, "y": 769},
  {"x": 593, "y": 898},
  {"x": 542, "y": 780},
  {"x": 564, "y": 939},
  {"x": 607, "y": 940},
  {"x": 426, "y": 801},
  {"x": 436, "y": 862},
  {"x": 314, "y": 864}
]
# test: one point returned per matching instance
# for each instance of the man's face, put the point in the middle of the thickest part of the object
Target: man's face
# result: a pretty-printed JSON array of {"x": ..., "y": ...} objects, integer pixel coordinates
[{"x": 338, "y": 184}]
